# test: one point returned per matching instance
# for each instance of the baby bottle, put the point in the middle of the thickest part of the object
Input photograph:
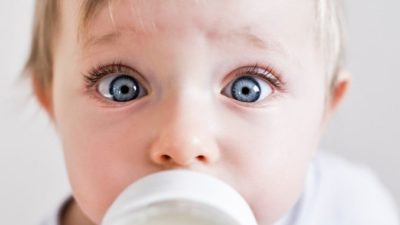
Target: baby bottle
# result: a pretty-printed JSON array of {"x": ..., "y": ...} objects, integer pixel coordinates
[{"x": 179, "y": 197}]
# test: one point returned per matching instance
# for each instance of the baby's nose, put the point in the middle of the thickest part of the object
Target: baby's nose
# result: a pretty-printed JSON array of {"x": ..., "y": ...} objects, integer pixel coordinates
[
  {"x": 183, "y": 151},
  {"x": 184, "y": 138}
]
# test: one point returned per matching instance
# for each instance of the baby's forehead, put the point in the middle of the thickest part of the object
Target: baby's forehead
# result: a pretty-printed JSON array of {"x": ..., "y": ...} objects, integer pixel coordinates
[{"x": 215, "y": 18}]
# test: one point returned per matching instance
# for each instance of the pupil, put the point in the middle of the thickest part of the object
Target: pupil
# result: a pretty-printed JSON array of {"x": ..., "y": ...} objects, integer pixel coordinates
[
  {"x": 124, "y": 89},
  {"x": 245, "y": 90}
]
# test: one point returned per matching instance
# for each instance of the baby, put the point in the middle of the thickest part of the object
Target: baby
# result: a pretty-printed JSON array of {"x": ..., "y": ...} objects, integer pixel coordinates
[{"x": 240, "y": 90}]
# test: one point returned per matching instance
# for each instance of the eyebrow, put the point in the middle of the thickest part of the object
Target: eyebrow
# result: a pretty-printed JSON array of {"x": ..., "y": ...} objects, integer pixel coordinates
[{"x": 245, "y": 35}]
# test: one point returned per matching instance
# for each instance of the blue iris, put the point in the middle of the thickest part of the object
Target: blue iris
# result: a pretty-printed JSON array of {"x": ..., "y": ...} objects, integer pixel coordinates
[
  {"x": 246, "y": 89},
  {"x": 124, "y": 88}
]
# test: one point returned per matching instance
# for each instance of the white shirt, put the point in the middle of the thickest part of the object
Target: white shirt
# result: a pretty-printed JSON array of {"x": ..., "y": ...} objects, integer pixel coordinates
[{"x": 337, "y": 192}]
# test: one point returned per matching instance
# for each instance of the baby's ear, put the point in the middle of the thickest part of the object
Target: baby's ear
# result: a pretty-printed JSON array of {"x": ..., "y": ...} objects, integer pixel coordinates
[
  {"x": 43, "y": 94},
  {"x": 339, "y": 89}
]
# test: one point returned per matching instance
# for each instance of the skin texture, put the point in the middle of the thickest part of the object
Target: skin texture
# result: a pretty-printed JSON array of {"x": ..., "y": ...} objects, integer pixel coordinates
[{"x": 186, "y": 53}]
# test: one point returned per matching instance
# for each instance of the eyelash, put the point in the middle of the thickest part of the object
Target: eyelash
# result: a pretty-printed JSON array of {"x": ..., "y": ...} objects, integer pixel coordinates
[
  {"x": 97, "y": 73},
  {"x": 266, "y": 73}
]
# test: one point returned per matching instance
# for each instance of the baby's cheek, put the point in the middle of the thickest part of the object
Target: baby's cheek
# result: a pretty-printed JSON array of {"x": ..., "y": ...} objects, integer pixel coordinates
[
  {"x": 99, "y": 169},
  {"x": 93, "y": 187},
  {"x": 275, "y": 195},
  {"x": 271, "y": 180},
  {"x": 96, "y": 185}
]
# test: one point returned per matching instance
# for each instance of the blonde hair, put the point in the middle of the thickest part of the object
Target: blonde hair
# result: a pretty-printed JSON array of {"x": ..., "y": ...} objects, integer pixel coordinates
[
  {"x": 47, "y": 21},
  {"x": 331, "y": 37}
]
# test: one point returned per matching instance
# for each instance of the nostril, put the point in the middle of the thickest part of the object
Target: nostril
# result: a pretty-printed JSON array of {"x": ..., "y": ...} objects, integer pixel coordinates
[
  {"x": 166, "y": 158},
  {"x": 201, "y": 158}
]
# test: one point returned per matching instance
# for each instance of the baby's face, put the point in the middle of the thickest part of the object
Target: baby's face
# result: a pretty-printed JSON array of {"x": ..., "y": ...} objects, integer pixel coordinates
[{"x": 233, "y": 89}]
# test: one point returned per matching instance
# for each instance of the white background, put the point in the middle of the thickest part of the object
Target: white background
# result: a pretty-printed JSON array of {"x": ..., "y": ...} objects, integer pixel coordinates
[{"x": 366, "y": 128}]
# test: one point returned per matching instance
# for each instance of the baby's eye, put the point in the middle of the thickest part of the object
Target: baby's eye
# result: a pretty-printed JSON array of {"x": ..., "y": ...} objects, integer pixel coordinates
[
  {"x": 121, "y": 88},
  {"x": 247, "y": 89}
]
